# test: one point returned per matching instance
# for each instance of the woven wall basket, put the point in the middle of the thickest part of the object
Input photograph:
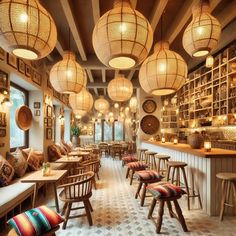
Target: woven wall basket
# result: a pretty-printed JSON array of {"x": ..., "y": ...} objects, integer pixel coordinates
[{"x": 24, "y": 117}]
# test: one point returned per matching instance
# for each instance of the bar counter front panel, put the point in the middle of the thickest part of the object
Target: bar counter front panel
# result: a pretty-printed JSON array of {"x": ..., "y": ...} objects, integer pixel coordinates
[{"x": 201, "y": 170}]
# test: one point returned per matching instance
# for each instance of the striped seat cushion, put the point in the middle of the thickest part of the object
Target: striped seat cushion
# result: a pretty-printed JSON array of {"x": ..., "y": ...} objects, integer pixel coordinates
[
  {"x": 148, "y": 175},
  {"x": 137, "y": 165},
  {"x": 129, "y": 158},
  {"x": 164, "y": 190},
  {"x": 35, "y": 221}
]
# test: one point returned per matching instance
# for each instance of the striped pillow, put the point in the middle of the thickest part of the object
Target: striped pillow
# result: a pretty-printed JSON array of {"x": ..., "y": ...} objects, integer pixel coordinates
[
  {"x": 165, "y": 189},
  {"x": 35, "y": 221},
  {"x": 137, "y": 165},
  {"x": 148, "y": 175}
]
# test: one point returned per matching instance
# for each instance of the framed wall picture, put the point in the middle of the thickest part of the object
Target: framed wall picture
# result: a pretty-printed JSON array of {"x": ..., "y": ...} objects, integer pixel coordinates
[
  {"x": 37, "y": 112},
  {"x": 3, "y": 120},
  {"x": 12, "y": 60},
  {"x": 36, "y": 105},
  {"x": 37, "y": 78},
  {"x": 49, "y": 122},
  {"x": 48, "y": 133},
  {"x": 2, "y": 132},
  {"x": 49, "y": 111},
  {"x": 28, "y": 71},
  {"x": 45, "y": 121},
  {"x": 21, "y": 66},
  {"x": 3, "y": 79},
  {"x": 2, "y": 54}
]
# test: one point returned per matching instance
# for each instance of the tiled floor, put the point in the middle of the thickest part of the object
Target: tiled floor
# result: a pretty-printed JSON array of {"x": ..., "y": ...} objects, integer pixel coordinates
[{"x": 117, "y": 212}]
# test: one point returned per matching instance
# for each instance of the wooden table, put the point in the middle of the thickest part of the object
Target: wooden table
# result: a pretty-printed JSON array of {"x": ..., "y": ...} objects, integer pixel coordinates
[
  {"x": 70, "y": 160},
  {"x": 37, "y": 177},
  {"x": 78, "y": 153}
]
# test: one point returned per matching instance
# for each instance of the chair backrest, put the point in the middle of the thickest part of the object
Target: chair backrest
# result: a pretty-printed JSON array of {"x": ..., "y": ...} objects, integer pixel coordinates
[
  {"x": 92, "y": 166},
  {"x": 116, "y": 147},
  {"x": 82, "y": 186}
]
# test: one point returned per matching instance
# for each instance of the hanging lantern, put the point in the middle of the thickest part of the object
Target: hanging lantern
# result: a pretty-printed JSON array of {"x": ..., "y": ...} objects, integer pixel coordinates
[
  {"x": 80, "y": 113},
  {"x": 203, "y": 32},
  {"x": 67, "y": 76},
  {"x": 209, "y": 61},
  {"x": 133, "y": 104},
  {"x": 27, "y": 30},
  {"x": 163, "y": 72},
  {"x": 81, "y": 101},
  {"x": 101, "y": 105},
  {"x": 120, "y": 89},
  {"x": 116, "y": 105},
  {"x": 122, "y": 37}
]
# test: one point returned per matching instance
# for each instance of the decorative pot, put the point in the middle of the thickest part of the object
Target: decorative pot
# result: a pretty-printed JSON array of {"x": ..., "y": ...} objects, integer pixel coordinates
[
  {"x": 195, "y": 140},
  {"x": 75, "y": 141}
]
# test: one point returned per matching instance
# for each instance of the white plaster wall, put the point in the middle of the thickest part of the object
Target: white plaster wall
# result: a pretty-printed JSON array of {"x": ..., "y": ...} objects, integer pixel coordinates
[{"x": 67, "y": 125}]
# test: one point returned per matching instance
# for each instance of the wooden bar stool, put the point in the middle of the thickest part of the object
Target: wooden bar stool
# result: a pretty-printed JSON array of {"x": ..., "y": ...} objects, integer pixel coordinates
[
  {"x": 141, "y": 154},
  {"x": 161, "y": 163},
  {"x": 175, "y": 167},
  {"x": 150, "y": 160},
  {"x": 228, "y": 183},
  {"x": 166, "y": 193}
]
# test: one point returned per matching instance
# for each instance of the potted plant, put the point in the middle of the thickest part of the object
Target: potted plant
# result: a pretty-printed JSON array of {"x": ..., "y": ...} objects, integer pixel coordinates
[{"x": 75, "y": 132}]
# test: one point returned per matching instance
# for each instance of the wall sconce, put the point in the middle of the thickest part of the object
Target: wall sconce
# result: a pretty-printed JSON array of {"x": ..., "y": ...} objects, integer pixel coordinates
[
  {"x": 207, "y": 146},
  {"x": 175, "y": 141},
  {"x": 4, "y": 101},
  {"x": 163, "y": 140}
]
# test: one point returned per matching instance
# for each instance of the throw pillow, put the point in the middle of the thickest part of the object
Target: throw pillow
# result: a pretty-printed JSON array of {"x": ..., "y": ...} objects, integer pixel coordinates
[
  {"x": 61, "y": 148},
  {"x": 35, "y": 159},
  {"x": 53, "y": 153},
  {"x": 66, "y": 146},
  {"x": 6, "y": 172},
  {"x": 36, "y": 221},
  {"x": 26, "y": 152},
  {"x": 18, "y": 162}
]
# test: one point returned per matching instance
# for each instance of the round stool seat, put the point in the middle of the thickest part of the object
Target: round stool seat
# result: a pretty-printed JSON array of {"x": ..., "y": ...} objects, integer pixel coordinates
[
  {"x": 150, "y": 153},
  {"x": 226, "y": 176},
  {"x": 142, "y": 149},
  {"x": 162, "y": 156},
  {"x": 176, "y": 164}
]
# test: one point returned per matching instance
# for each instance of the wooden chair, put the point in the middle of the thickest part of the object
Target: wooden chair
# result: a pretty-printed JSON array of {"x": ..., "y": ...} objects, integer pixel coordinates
[
  {"x": 77, "y": 189},
  {"x": 116, "y": 150},
  {"x": 103, "y": 148}
]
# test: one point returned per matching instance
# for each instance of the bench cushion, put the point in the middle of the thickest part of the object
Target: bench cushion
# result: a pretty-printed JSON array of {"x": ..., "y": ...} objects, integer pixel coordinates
[
  {"x": 137, "y": 165},
  {"x": 148, "y": 175}
]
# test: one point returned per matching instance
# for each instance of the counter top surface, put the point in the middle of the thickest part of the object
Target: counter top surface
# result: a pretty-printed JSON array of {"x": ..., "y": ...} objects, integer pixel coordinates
[{"x": 214, "y": 153}]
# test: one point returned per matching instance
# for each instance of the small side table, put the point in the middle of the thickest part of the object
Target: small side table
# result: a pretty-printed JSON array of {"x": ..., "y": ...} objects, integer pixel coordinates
[{"x": 37, "y": 178}]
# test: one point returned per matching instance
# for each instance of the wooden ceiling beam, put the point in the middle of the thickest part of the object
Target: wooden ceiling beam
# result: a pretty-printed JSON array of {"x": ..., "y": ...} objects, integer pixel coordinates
[
  {"x": 90, "y": 76},
  {"x": 59, "y": 48},
  {"x": 157, "y": 12},
  {"x": 103, "y": 75},
  {"x": 96, "y": 10},
  {"x": 71, "y": 22},
  {"x": 131, "y": 73}
]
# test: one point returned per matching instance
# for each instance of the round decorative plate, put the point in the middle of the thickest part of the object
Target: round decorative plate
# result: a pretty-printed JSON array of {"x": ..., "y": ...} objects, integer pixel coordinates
[
  {"x": 149, "y": 124},
  {"x": 149, "y": 106},
  {"x": 24, "y": 117}
]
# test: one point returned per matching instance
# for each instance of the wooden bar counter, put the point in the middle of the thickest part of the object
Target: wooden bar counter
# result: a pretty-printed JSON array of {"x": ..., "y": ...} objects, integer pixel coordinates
[{"x": 201, "y": 170}]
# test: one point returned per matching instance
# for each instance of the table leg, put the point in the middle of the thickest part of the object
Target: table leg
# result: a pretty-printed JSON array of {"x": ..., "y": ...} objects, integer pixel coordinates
[
  {"x": 35, "y": 194},
  {"x": 56, "y": 198}
]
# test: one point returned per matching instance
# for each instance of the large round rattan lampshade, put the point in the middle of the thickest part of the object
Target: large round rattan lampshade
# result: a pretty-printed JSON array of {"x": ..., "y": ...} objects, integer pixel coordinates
[
  {"x": 82, "y": 101},
  {"x": 163, "y": 72},
  {"x": 122, "y": 37},
  {"x": 203, "y": 32},
  {"x": 120, "y": 89},
  {"x": 101, "y": 105},
  {"x": 67, "y": 76},
  {"x": 27, "y": 30}
]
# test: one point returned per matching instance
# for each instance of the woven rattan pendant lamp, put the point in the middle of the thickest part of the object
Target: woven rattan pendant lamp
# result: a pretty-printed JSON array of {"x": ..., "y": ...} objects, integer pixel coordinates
[
  {"x": 101, "y": 105},
  {"x": 163, "y": 72},
  {"x": 203, "y": 32},
  {"x": 122, "y": 37},
  {"x": 82, "y": 101},
  {"x": 67, "y": 76},
  {"x": 120, "y": 89},
  {"x": 27, "y": 30}
]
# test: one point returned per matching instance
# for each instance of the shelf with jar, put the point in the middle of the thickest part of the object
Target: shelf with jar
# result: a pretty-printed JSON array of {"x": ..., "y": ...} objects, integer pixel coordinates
[{"x": 212, "y": 93}]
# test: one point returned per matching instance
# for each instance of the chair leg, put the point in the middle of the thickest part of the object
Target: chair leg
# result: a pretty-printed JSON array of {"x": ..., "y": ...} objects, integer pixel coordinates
[
  {"x": 170, "y": 208},
  {"x": 223, "y": 200},
  {"x": 127, "y": 173},
  {"x": 98, "y": 176},
  {"x": 153, "y": 204},
  {"x": 131, "y": 177},
  {"x": 160, "y": 216},
  {"x": 143, "y": 194},
  {"x": 67, "y": 214},
  {"x": 186, "y": 186},
  {"x": 64, "y": 209},
  {"x": 138, "y": 190},
  {"x": 90, "y": 206},
  {"x": 88, "y": 213},
  {"x": 180, "y": 216}
]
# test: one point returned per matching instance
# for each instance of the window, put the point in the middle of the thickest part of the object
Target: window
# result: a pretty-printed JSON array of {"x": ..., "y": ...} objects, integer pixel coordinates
[
  {"x": 98, "y": 132},
  {"x": 107, "y": 129},
  {"x": 18, "y": 137},
  {"x": 118, "y": 128}
]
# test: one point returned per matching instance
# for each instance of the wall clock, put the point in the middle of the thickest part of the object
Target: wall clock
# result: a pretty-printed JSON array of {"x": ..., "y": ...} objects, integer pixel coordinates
[
  {"x": 149, "y": 124},
  {"x": 149, "y": 106}
]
